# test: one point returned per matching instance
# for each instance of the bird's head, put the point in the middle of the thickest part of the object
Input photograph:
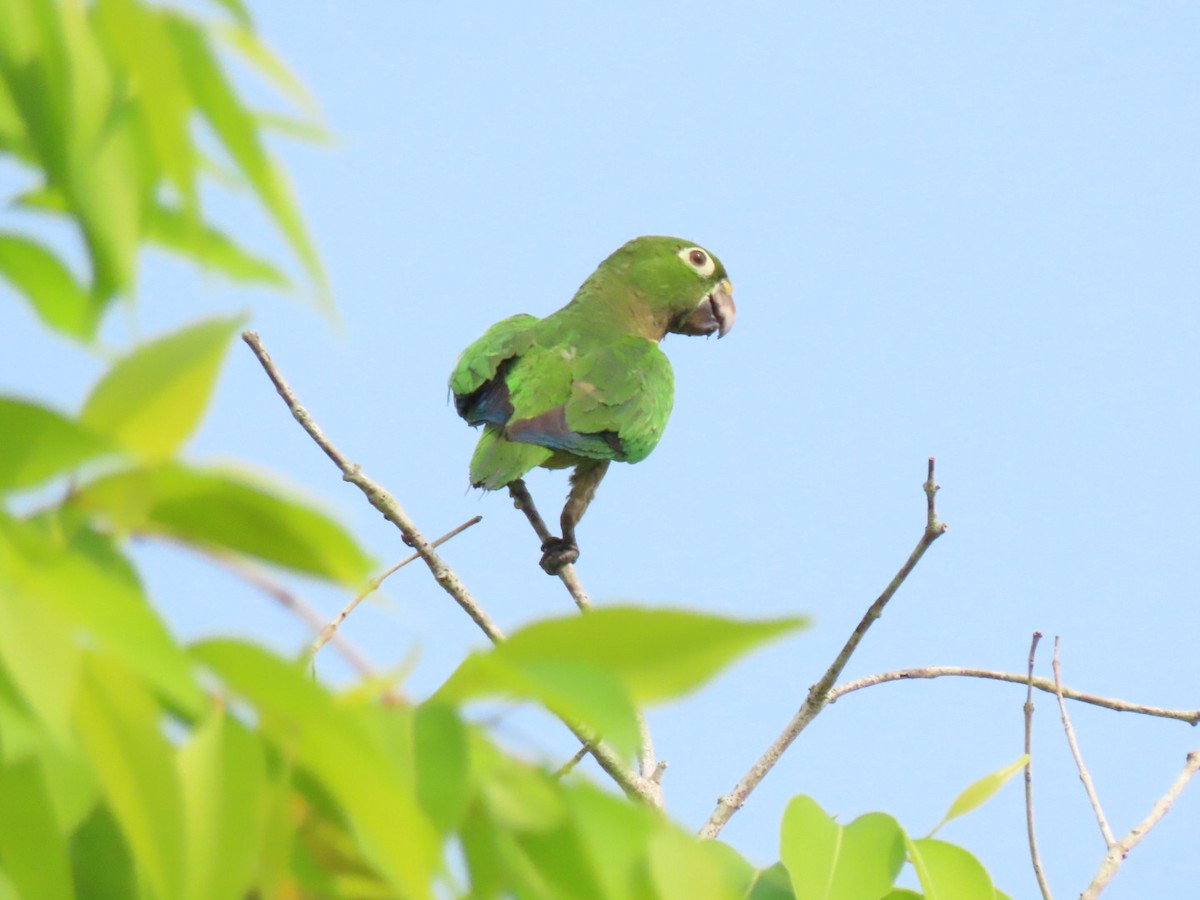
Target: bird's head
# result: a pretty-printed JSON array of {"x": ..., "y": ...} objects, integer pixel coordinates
[{"x": 683, "y": 286}]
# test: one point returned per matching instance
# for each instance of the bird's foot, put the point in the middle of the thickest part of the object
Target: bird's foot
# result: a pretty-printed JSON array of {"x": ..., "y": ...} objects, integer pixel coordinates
[{"x": 557, "y": 553}]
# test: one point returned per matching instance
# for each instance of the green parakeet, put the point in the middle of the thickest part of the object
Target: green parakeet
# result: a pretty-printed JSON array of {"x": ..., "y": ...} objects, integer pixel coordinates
[{"x": 588, "y": 384}]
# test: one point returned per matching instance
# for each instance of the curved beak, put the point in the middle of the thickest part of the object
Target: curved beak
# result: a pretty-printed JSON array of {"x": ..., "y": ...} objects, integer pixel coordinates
[{"x": 715, "y": 313}]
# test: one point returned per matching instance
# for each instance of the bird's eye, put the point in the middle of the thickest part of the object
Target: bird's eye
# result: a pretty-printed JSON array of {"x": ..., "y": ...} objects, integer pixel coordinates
[{"x": 698, "y": 260}]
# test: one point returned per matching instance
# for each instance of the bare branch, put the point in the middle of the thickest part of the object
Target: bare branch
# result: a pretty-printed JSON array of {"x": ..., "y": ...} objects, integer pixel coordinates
[
  {"x": 327, "y": 631},
  {"x": 1084, "y": 775},
  {"x": 1118, "y": 851},
  {"x": 378, "y": 497},
  {"x": 1190, "y": 716},
  {"x": 291, "y": 602},
  {"x": 1034, "y": 856},
  {"x": 631, "y": 782},
  {"x": 818, "y": 694}
]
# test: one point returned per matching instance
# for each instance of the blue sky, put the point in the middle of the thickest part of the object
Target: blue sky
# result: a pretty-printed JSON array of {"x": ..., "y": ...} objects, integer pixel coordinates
[{"x": 959, "y": 230}]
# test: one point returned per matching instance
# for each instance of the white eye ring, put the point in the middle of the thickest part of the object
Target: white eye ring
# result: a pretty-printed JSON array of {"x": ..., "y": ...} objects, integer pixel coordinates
[{"x": 698, "y": 259}]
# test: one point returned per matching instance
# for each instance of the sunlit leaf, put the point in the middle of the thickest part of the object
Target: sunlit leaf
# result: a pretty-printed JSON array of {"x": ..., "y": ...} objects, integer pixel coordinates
[
  {"x": 301, "y": 717},
  {"x": 151, "y": 400},
  {"x": 223, "y": 771},
  {"x": 210, "y": 247},
  {"x": 237, "y": 130},
  {"x": 48, "y": 284},
  {"x": 77, "y": 587},
  {"x": 947, "y": 872},
  {"x": 40, "y": 443},
  {"x": 681, "y": 870},
  {"x": 772, "y": 883},
  {"x": 247, "y": 45},
  {"x": 657, "y": 654},
  {"x": 980, "y": 791},
  {"x": 118, "y": 723},
  {"x": 444, "y": 784},
  {"x": 218, "y": 509},
  {"x": 827, "y": 861},
  {"x": 31, "y": 839}
]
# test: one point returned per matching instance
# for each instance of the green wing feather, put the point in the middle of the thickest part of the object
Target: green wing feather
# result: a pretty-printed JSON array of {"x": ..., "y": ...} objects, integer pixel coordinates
[
  {"x": 478, "y": 363},
  {"x": 628, "y": 388}
]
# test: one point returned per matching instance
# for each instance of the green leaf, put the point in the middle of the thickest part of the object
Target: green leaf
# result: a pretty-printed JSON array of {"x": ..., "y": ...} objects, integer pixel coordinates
[
  {"x": 151, "y": 400},
  {"x": 67, "y": 585},
  {"x": 37, "y": 646},
  {"x": 223, "y": 772},
  {"x": 100, "y": 859},
  {"x": 118, "y": 723},
  {"x": 237, "y": 130},
  {"x": 905, "y": 894},
  {"x": 980, "y": 791},
  {"x": 736, "y": 873},
  {"x": 31, "y": 839},
  {"x": 247, "y": 45},
  {"x": 658, "y": 654},
  {"x": 829, "y": 862},
  {"x": 41, "y": 443},
  {"x": 208, "y": 246},
  {"x": 346, "y": 759},
  {"x": 216, "y": 509},
  {"x": 948, "y": 872},
  {"x": 772, "y": 883},
  {"x": 444, "y": 785},
  {"x": 581, "y": 693},
  {"x": 681, "y": 870},
  {"x": 49, "y": 286}
]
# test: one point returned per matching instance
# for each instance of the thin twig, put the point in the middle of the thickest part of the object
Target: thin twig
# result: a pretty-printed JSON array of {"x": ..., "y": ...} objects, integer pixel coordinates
[
  {"x": 631, "y": 782},
  {"x": 817, "y": 696},
  {"x": 561, "y": 771},
  {"x": 1118, "y": 851},
  {"x": 1033, "y": 847},
  {"x": 291, "y": 602},
  {"x": 1084, "y": 775},
  {"x": 1190, "y": 716},
  {"x": 328, "y": 630}
]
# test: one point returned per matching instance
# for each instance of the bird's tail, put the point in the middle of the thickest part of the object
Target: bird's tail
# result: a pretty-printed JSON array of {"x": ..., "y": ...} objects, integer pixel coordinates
[{"x": 497, "y": 460}]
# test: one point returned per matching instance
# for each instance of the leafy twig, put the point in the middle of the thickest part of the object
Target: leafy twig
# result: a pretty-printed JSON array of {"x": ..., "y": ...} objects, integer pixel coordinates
[
  {"x": 1191, "y": 716},
  {"x": 818, "y": 694},
  {"x": 1034, "y": 856},
  {"x": 1084, "y": 775},
  {"x": 1120, "y": 849},
  {"x": 328, "y": 630}
]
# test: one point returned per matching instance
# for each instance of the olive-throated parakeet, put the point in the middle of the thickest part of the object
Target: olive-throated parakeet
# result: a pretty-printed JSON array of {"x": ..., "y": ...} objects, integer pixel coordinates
[{"x": 588, "y": 384}]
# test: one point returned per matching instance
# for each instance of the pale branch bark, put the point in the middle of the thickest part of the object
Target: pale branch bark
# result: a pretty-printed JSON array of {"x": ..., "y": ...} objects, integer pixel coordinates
[
  {"x": 378, "y": 497},
  {"x": 1034, "y": 856},
  {"x": 1190, "y": 716},
  {"x": 630, "y": 781},
  {"x": 1120, "y": 849},
  {"x": 818, "y": 694},
  {"x": 329, "y": 629},
  {"x": 1084, "y": 775}
]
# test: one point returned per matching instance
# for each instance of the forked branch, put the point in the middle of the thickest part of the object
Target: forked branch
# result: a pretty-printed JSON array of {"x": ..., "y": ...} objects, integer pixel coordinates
[{"x": 818, "y": 694}]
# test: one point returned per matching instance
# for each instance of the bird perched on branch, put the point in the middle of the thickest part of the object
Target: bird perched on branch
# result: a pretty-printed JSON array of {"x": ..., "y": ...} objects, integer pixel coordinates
[{"x": 588, "y": 384}]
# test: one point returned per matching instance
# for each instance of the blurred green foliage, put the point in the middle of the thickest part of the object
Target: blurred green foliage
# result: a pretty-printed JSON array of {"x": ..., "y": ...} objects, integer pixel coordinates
[{"x": 133, "y": 766}]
